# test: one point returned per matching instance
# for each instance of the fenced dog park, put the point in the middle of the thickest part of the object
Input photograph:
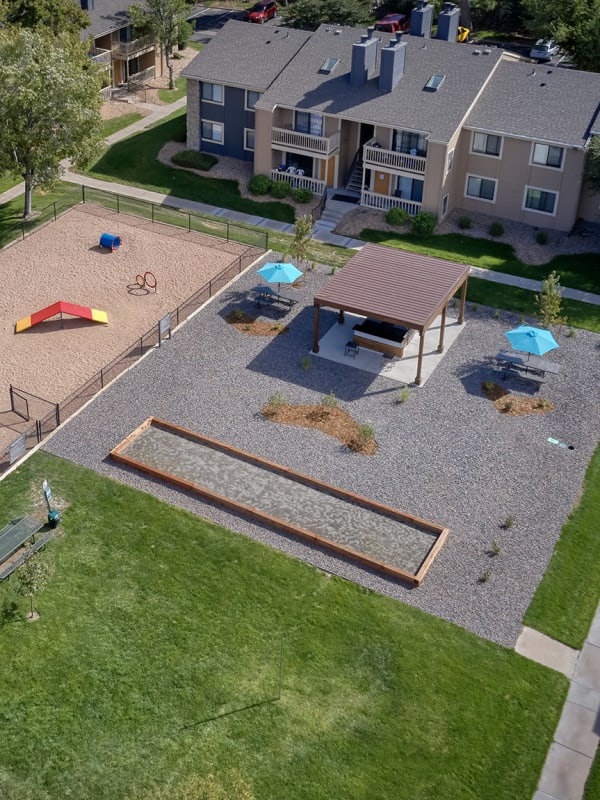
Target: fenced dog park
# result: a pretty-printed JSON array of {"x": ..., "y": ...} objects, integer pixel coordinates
[{"x": 143, "y": 274}]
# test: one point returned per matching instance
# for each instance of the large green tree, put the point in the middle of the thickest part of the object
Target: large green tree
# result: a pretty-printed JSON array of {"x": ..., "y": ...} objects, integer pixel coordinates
[
  {"x": 309, "y": 14},
  {"x": 592, "y": 164},
  {"x": 166, "y": 21},
  {"x": 50, "y": 101},
  {"x": 59, "y": 16},
  {"x": 575, "y": 26}
]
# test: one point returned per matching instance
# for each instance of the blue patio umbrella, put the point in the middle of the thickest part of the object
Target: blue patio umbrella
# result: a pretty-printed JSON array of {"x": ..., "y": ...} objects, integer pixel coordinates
[
  {"x": 535, "y": 341},
  {"x": 277, "y": 272}
]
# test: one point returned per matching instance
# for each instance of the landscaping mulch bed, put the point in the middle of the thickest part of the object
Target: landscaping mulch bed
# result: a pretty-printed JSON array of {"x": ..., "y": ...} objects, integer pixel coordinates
[
  {"x": 515, "y": 406},
  {"x": 253, "y": 327}
]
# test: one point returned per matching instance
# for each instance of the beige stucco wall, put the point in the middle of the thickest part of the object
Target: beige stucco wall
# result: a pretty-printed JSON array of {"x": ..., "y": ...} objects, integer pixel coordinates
[
  {"x": 434, "y": 177},
  {"x": 263, "y": 158},
  {"x": 589, "y": 205},
  {"x": 514, "y": 173}
]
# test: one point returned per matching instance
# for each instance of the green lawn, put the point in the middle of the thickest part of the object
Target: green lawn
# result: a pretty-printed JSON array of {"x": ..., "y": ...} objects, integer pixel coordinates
[
  {"x": 118, "y": 123},
  {"x": 576, "y": 271},
  {"x": 134, "y": 161},
  {"x": 11, "y": 224},
  {"x": 592, "y": 787},
  {"x": 7, "y": 182},
  {"x": 170, "y": 95},
  {"x": 156, "y": 658},
  {"x": 567, "y": 597}
]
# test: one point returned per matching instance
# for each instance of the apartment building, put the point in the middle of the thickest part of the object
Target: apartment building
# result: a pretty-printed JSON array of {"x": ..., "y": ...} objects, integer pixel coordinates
[{"x": 422, "y": 123}]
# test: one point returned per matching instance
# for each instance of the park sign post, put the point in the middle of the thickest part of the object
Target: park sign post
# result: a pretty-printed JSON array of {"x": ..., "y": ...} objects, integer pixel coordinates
[{"x": 53, "y": 514}]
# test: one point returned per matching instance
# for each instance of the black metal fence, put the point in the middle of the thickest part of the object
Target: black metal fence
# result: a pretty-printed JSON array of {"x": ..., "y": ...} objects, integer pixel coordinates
[{"x": 53, "y": 414}]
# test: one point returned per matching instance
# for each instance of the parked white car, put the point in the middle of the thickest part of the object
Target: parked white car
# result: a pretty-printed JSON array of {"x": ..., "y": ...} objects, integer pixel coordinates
[{"x": 544, "y": 49}]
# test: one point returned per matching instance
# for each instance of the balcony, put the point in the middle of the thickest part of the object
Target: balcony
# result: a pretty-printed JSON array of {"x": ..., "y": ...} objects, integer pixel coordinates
[
  {"x": 383, "y": 202},
  {"x": 134, "y": 48},
  {"x": 100, "y": 56},
  {"x": 377, "y": 157},
  {"x": 299, "y": 181},
  {"x": 305, "y": 142}
]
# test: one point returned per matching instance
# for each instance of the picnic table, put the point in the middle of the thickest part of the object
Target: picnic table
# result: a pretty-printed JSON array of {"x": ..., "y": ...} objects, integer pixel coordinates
[
  {"x": 528, "y": 366},
  {"x": 268, "y": 296},
  {"x": 13, "y": 540}
]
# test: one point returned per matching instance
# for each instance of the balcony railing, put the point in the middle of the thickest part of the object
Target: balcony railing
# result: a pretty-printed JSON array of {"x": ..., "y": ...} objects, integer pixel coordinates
[
  {"x": 143, "y": 75},
  {"x": 100, "y": 56},
  {"x": 306, "y": 142},
  {"x": 378, "y": 157},
  {"x": 128, "y": 49},
  {"x": 299, "y": 181},
  {"x": 383, "y": 202}
]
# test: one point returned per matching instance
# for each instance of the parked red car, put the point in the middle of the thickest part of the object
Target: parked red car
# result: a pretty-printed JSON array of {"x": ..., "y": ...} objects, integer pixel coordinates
[
  {"x": 261, "y": 12},
  {"x": 393, "y": 23}
]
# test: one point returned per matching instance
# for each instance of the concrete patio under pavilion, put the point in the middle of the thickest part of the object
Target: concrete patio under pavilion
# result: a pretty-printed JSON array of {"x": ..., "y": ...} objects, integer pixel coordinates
[{"x": 399, "y": 288}]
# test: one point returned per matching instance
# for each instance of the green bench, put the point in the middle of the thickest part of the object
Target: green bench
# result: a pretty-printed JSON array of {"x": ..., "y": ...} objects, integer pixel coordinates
[{"x": 14, "y": 539}]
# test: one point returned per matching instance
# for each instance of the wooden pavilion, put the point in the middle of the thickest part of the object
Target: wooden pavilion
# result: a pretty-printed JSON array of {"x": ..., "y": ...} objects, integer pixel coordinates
[{"x": 397, "y": 287}]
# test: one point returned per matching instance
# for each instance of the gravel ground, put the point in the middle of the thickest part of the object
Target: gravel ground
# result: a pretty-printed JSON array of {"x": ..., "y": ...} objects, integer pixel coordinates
[{"x": 445, "y": 454}]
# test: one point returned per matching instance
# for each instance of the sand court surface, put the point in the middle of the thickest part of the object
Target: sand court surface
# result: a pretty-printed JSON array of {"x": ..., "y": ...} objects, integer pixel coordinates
[{"x": 63, "y": 261}]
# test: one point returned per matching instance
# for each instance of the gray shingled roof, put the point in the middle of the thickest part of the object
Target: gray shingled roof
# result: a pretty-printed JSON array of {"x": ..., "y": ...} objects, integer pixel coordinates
[
  {"x": 439, "y": 113},
  {"x": 106, "y": 16},
  {"x": 246, "y": 55},
  {"x": 539, "y": 102}
]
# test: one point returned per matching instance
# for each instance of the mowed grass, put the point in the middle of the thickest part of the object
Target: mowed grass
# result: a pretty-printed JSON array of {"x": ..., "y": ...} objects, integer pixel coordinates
[
  {"x": 134, "y": 161},
  {"x": 110, "y": 126},
  {"x": 156, "y": 657},
  {"x": 566, "y": 600},
  {"x": 576, "y": 271}
]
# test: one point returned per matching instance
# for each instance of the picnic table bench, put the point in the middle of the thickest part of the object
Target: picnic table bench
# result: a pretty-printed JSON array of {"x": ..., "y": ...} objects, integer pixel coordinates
[
  {"x": 13, "y": 540},
  {"x": 267, "y": 295},
  {"x": 535, "y": 368}
]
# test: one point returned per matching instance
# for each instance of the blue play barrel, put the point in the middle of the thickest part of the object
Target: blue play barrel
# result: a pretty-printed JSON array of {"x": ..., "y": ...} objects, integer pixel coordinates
[{"x": 110, "y": 241}]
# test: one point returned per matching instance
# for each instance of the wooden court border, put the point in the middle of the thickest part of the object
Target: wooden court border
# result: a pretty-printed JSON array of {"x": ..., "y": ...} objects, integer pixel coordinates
[{"x": 117, "y": 455}]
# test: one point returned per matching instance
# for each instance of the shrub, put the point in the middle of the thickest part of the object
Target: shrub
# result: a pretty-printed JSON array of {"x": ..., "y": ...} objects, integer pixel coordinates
[
  {"x": 396, "y": 216},
  {"x": 277, "y": 400},
  {"x": 329, "y": 400},
  {"x": 541, "y": 237},
  {"x": 280, "y": 189},
  {"x": 464, "y": 223},
  {"x": 496, "y": 229},
  {"x": 259, "y": 184},
  {"x": 402, "y": 395},
  {"x": 508, "y": 523},
  {"x": 238, "y": 314},
  {"x": 496, "y": 549},
  {"x": 302, "y": 195},
  {"x": 423, "y": 224},
  {"x": 305, "y": 363},
  {"x": 366, "y": 431},
  {"x": 194, "y": 159}
]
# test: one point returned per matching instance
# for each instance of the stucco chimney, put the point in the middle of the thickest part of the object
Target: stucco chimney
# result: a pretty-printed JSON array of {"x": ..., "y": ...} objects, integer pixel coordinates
[
  {"x": 448, "y": 22},
  {"x": 364, "y": 58},
  {"x": 421, "y": 19},
  {"x": 393, "y": 58}
]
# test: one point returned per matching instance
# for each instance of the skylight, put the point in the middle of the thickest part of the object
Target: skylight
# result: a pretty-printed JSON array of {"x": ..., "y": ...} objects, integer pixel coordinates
[
  {"x": 329, "y": 65},
  {"x": 434, "y": 83}
]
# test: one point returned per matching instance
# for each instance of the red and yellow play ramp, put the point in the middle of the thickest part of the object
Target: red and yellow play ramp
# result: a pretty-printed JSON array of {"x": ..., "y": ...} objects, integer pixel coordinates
[{"x": 61, "y": 307}]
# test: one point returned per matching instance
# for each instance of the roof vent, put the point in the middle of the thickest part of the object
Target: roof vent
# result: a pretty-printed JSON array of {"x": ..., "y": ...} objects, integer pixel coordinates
[
  {"x": 487, "y": 51},
  {"x": 476, "y": 52},
  {"x": 337, "y": 32}
]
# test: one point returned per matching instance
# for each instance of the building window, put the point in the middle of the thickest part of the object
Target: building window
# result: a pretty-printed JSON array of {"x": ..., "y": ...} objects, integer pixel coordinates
[
  {"x": 539, "y": 200},
  {"x": 249, "y": 139},
  {"x": 547, "y": 155},
  {"x": 309, "y": 123},
  {"x": 212, "y": 131},
  {"x": 450, "y": 160},
  {"x": 482, "y": 188},
  {"x": 486, "y": 144},
  {"x": 212, "y": 92},
  {"x": 409, "y": 189},
  {"x": 415, "y": 144},
  {"x": 444, "y": 205},
  {"x": 252, "y": 99}
]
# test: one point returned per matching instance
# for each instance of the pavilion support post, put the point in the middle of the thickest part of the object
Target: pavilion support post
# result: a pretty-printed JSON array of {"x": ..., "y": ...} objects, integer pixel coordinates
[
  {"x": 316, "y": 329},
  {"x": 442, "y": 331},
  {"x": 341, "y": 317},
  {"x": 463, "y": 302},
  {"x": 420, "y": 358}
]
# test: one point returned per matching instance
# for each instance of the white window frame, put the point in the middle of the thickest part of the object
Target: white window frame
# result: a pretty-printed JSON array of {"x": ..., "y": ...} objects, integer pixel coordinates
[
  {"x": 445, "y": 200},
  {"x": 544, "y": 164},
  {"x": 449, "y": 161},
  {"x": 247, "y": 105},
  {"x": 525, "y": 207},
  {"x": 477, "y": 197},
  {"x": 211, "y": 99},
  {"x": 246, "y": 145},
  {"x": 482, "y": 152},
  {"x": 214, "y": 125}
]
